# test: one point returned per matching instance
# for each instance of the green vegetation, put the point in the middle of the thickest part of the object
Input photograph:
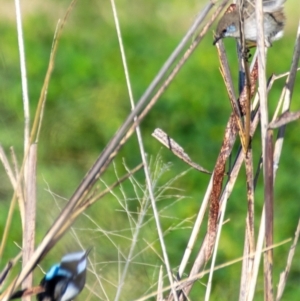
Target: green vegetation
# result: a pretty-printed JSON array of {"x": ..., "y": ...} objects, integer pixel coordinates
[{"x": 87, "y": 102}]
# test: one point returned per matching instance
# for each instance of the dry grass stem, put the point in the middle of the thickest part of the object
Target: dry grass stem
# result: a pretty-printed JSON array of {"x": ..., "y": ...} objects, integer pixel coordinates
[
  {"x": 176, "y": 149},
  {"x": 285, "y": 273},
  {"x": 30, "y": 212},
  {"x": 143, "y": 208}
]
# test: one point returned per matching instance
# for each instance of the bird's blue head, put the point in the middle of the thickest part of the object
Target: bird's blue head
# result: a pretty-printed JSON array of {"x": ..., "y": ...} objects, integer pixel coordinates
[{"x": 65, "y": 280}]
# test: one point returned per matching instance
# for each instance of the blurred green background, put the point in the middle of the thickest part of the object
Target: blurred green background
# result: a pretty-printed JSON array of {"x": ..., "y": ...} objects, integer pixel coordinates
[{"x": 87, "y": 102}]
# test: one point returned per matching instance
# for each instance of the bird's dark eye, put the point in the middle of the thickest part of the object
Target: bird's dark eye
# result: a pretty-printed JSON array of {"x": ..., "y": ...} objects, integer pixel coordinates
[{"x": 224, "y": 30}]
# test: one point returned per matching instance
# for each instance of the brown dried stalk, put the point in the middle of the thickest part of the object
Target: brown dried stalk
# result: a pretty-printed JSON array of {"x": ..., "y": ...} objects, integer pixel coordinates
[
  {"x": 231, "y": 132},
  {"x": 176, "y": 149}
]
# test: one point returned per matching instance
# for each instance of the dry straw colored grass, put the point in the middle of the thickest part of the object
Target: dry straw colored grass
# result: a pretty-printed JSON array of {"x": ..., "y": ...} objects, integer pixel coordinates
[{"x": 249, "y": 114}]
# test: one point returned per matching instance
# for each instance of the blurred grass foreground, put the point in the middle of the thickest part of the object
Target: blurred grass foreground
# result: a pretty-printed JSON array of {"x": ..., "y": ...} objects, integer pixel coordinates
[{"x": 87, "y": 101}]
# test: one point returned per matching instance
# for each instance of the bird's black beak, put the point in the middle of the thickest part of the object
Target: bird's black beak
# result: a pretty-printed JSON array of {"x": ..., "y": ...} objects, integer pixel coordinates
[
  {"x": 87, "y": 252},
  {"x": 217, "y": 39}
]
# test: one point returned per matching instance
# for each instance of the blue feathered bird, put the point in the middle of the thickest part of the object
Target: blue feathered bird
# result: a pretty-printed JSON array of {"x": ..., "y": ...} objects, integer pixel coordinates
[{"x": 64, "y": 281}]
